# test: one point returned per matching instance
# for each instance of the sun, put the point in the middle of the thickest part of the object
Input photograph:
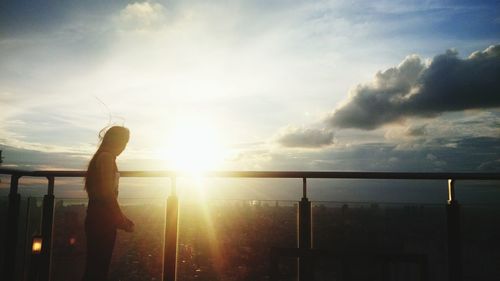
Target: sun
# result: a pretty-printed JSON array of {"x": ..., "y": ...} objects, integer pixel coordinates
[{"x": 194, "y": 147}]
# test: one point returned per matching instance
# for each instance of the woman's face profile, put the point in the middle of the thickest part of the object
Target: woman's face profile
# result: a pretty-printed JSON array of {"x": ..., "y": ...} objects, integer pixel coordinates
[{"x": 121, "y": 147}]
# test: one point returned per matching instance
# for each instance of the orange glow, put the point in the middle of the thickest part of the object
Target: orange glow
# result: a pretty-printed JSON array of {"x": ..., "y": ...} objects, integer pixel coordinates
[
  {"x": 215, "y": 248},
  {"x": 36, "y": 246}
]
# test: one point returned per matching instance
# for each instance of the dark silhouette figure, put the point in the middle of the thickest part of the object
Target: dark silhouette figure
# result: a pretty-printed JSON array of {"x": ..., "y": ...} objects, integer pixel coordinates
[{"x": 104, "y": 215}]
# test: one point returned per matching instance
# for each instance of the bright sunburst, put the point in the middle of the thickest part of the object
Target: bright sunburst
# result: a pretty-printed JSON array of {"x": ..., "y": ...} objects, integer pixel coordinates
[{"x": 194, "y": 147}]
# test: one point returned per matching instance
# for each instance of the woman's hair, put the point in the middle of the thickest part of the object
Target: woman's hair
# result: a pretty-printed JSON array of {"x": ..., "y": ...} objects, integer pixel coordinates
[{"x": 114, "y": 137}]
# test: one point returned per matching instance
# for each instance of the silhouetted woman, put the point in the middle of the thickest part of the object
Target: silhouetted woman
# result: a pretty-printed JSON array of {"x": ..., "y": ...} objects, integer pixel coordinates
[{"x": 104, "y": 216}]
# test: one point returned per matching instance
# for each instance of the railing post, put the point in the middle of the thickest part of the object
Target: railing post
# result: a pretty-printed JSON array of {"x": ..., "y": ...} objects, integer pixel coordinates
[
  {"x": 171, "y": 225},
  {"x": 454, "y": 235},
  {"x": 47, "y": 227},
  {"x": 9, "y": 266},
  {"x": 305, "y": 235}
]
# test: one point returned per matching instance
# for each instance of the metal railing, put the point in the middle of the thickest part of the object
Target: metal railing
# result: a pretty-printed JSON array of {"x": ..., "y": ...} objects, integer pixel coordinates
[{"x": 304, "y": 250}]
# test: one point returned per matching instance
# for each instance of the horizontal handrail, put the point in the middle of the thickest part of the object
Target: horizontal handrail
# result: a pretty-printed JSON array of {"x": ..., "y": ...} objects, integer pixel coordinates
[{"x": 271, "y": 174}]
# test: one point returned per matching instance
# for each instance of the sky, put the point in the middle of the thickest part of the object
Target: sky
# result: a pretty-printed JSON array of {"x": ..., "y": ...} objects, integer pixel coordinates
[{"x": 253, "y": 85}]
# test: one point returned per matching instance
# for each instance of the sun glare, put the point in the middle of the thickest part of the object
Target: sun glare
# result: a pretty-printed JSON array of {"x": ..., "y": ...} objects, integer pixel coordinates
[{"x": 194, "y": 148}]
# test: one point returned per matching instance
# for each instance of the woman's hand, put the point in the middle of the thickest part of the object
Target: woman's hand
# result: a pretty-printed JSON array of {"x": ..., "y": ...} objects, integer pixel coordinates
[{"x": 126, "y": 224}]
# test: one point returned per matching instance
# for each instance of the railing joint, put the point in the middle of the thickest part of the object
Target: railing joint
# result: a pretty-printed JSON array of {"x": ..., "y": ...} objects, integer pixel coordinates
[
  {"x": 451, "y": 191},
  {"x": 50, "y": 188},
  {"x": 304, "y": 188}
]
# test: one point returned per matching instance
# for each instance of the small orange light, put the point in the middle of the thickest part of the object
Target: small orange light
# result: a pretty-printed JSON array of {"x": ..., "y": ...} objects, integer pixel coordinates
[
  {"x": 72, "y": 241},
  {"x": 36, "y": 246}
]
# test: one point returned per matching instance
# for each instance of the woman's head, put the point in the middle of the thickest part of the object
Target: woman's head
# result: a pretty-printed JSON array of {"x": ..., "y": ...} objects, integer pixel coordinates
[{"x": 115, "y": 140}]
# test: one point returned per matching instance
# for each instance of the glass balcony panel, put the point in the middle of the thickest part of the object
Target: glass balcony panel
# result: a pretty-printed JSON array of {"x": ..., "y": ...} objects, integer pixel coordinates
[
  {"x": 30, "y": 215},
  {"x": 139, "y": 255},
  {"x": 232, "y": 239},
  {"x": 29, "y": 220},
  {"x": 4, "y": 204},
  {"x": 378, "y": 190},
  {"x": 372, "y": 240},
  {"x": 68, "y": 243},
  {"x": 480, "y": 225},
  {"x": 136, "y": 256}
]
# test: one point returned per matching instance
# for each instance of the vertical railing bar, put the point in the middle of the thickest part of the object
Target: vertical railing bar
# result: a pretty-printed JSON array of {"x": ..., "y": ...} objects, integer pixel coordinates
[
  {"x": 304, "y": 188},
  {"x": 47, "y": 230},
  {"x": 171, "y": 234},
  {"x": 454, "y": 235},
  {"x": 451, "y": 190},
  {"x": 11, "y": 236},
  {"x": 50, "y": 187},
  {"x": 304, "y": 236}
]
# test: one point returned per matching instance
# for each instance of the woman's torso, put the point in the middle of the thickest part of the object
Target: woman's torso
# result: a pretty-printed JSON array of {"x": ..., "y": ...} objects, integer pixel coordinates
[{"x": 99, "y": 199}]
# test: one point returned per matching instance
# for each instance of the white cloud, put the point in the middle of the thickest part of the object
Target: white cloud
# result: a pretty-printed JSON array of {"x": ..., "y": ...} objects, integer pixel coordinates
[{"x": 142, "y": 16}]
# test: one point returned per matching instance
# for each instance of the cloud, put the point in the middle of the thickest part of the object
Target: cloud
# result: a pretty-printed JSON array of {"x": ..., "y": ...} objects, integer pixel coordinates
[
  {"x": 55, "y": 58},
  {"x": 490, "y": 166},
  {"x": 468, "y": 154},
  {"x": 145, "y": 15},
  {"x": 305, "y": 137},
  {"x": 416, "y": 131},
  {"x": 30, "y": 159},
  {"x": 452, "y": 126},
  {"x": 416, "y": 89}
]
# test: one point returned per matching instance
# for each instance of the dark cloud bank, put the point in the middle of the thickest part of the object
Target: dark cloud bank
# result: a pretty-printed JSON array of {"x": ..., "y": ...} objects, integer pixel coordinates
[
  {"x": 306, "y": 138},
  {"x": 468, "y": 154},
  {"x": 415, "y": 89}
]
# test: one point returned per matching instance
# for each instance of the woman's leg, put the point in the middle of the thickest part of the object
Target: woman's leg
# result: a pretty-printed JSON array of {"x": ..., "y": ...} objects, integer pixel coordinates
[{"x": 100, "y": 243}]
